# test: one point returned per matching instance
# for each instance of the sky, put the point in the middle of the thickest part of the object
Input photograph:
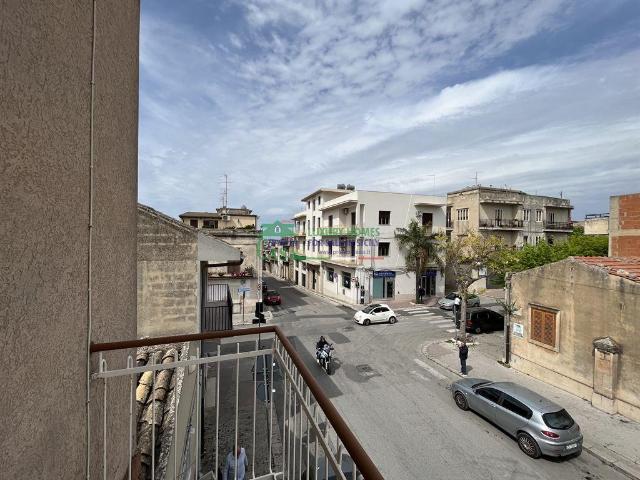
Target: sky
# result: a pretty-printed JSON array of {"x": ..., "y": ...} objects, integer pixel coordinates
[{"x": 286, "y": 96}]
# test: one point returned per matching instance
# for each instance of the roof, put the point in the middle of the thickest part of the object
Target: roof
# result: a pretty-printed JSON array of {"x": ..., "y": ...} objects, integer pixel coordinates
[
  {"x": 166, "y": 218},
  {"x": 200, "y": 215},
  {"x": 487, "y": 189},
  {"x": 625, "y": 267},
  {"x": 330, "y": 190},
  {"x": 528, "y": 397}
]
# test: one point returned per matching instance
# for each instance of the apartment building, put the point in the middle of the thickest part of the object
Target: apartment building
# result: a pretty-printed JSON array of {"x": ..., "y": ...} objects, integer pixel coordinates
[
  {"x": 223, "y": 218},
  {"x": 345, "y": 248},
  {"x": 512, "y": 215}
]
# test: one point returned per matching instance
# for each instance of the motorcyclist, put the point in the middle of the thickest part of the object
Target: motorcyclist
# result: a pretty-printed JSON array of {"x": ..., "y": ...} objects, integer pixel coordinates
[{"x": 320, "y": 345}]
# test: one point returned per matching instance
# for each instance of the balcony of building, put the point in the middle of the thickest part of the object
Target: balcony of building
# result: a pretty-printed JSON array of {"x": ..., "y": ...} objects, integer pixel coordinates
[
  {"x": 501, "y": 224},
  {"x": 558, "y": 226},
  {"x": 192, "y": 401}
]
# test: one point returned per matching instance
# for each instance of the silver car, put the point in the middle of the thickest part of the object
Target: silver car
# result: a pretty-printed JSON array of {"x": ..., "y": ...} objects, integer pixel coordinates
[
  {"x": 541, "y": 426},
  {"x": 446, "y": 303}
]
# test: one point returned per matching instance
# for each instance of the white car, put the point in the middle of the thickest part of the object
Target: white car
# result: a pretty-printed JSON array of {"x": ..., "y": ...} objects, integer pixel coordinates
[{"x": 375, "y": 313}]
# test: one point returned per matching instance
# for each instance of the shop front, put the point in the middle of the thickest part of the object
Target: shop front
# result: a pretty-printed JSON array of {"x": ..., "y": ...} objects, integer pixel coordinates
[{"x": 383, "y": 284}]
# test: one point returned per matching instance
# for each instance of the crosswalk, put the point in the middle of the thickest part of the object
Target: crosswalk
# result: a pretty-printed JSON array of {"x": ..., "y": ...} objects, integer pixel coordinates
[{"x": 423, "y": 315}]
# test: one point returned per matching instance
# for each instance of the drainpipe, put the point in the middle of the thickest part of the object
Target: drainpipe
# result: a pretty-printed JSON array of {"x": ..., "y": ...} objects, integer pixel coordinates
[{"x": 90, "y": 235}]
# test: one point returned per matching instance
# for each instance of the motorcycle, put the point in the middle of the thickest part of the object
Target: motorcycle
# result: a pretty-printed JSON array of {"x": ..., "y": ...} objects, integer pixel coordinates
[{"x": 324, "y": 357}]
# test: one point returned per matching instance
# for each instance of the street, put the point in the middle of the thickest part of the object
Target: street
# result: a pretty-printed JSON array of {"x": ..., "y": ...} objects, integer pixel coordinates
[{"x": 397, "y": 401}]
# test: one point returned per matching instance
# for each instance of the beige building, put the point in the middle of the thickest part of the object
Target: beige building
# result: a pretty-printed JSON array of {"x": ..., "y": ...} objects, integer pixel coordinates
[
  {"x": 223, "y": 218},
  {"x": 577, "y": 328},
  {"x": 624, "y": 225},
  {"x": 68, "y": 206},
  {"x": 596, "y": 224},
  {"x": 175, "y": 295},
  {"x": 512, "y": 215}
]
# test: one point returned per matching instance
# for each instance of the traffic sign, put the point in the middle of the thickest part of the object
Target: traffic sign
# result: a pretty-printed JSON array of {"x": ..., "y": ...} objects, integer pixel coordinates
[{"x": 243, "y": 289}]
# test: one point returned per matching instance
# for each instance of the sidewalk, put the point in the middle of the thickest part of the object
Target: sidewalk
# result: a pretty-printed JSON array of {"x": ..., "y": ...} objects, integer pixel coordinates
[{"x": 613, "y": 439}]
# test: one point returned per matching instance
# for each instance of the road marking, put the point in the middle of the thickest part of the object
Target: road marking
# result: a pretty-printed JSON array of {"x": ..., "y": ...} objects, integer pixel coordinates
[
  {"x": 443, "y": 326},
  {"x": 419, "y": 375},
  {"x": 440, "y": 321},
  {"x": 415, "y": 309},
  {"x": 451, "y": 330},
  {"x": 430, "y": 369},
  {"x": 417, "y": 314}
]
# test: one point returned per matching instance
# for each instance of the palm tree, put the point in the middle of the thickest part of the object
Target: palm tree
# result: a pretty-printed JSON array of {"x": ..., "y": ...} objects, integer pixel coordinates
[{"x": 418, "y": 244}]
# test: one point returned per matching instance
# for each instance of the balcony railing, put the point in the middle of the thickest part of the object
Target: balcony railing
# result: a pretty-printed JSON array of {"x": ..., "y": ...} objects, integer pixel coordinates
[
  {"x": 558, "y": 226},
  {"x": 194, "y": 404},
  {"x": 501, "y": 224}
]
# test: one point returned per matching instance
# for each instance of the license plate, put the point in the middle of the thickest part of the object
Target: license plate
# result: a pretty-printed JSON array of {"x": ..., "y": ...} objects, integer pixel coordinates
[{"x": 573, "y": 445}]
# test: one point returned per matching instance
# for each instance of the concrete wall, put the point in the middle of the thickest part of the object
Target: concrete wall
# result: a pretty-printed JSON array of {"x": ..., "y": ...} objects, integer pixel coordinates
[
  {"x": 624, "y": 226},
  {"x": 168, "y": 278},
  {"x": 591, "y": 304},
  {"x": 596, "y": 226},
  {"x": 45, "y": 151}
]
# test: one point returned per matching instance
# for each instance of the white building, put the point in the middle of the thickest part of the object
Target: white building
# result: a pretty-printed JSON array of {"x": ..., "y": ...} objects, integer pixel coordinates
[{"x": 345, "y": 244}]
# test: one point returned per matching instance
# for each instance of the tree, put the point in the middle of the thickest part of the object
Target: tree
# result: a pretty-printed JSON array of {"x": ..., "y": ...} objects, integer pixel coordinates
[
  {"x": 418, "y": 246},
  {"x": 465, "y": 256}
]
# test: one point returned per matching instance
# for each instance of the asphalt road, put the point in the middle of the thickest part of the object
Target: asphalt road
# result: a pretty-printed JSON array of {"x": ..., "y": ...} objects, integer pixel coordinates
[{"x": 398, "y": 404}]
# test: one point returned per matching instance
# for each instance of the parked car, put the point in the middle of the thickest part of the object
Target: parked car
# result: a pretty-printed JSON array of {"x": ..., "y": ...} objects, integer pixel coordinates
[
  {"x": 482, "y": 319},
  {"x": 272, "y": 298},
  {"x": 446, "y": 303},
  {"x": 541, "y": 426},
  {"x": 375, "y": 313},
  {"x": 264, "y": 288}
]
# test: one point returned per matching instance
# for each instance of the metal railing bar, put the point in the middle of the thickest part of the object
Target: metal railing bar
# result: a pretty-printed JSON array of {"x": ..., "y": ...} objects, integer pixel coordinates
[
  {"x": 255, "y": 391},
  {"x": 217, "y": 409},
  {"x": 272, "y": 390},
  {"x": 153, "y": 422},
  {"x": 235, "y": 452},
  {"x": 104, "y": 424},
  {"x": 181, "y": 363},
  {"x": 323, "y": 441},
  {"x": 284, "y": 425},
  {"x": 130, "y": 364},
  {"x": 198, "y": 414},
  {"x": 351, "y": 443},
  {"x": 175, "y": 427}
]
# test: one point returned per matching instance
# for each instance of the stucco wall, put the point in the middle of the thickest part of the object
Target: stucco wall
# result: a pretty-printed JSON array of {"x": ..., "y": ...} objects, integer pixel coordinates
[
  {"x": 44, "y": 146},
  {"x": 168, "y": 278},
  {"x": 591, "y": 304}
]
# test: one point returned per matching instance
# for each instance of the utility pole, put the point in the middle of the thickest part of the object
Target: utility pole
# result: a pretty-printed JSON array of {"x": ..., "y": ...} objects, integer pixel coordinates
[{"x": 507, "y": 320}]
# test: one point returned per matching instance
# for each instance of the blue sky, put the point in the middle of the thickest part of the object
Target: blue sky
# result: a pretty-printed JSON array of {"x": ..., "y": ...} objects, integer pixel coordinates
[{"x": 286, "y": 96}]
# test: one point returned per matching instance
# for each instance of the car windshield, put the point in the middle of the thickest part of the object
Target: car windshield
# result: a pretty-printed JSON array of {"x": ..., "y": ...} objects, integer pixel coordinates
[
  {"x": 558, "y": 420},
  {"x": 370, "y": 307},
  {"x": 272, "y": 292}
]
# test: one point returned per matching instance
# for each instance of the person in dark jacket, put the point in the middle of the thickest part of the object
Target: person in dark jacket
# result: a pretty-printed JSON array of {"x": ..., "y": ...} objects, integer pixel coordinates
[
  {"x": 421, "y": 292},
  {"x": 463, "y": 353},
  {"x": 320, "y": 345}
]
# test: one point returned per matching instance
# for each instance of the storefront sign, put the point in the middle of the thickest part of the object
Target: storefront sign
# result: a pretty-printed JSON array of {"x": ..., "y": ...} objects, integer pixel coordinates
[{"x": 384, "y": 273}]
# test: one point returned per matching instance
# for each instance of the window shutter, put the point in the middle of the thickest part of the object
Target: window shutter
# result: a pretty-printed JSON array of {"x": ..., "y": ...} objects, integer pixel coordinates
[{"x": 543, "y": 327}]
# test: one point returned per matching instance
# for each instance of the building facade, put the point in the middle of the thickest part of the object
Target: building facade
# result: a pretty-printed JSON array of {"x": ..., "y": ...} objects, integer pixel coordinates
[
  {"x": 345, "y": 248},
  {"x": 223, "y": 218},
  {"x": 512, "y": 215},
  {"x": 68, "y": 206},
  {"x": 576, "y": 329},
  {"x": 624, "y": 225},
  {"x": 595, "y": 224}
]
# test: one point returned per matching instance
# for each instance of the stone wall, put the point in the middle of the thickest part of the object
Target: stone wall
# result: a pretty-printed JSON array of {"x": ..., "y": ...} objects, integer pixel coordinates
[
  {"x": 168, "y": 277},
  {"x": 591, "y": 304}
]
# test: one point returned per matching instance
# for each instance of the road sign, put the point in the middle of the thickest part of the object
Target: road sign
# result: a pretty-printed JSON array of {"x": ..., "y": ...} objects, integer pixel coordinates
[{"x": 243, "y": 289}]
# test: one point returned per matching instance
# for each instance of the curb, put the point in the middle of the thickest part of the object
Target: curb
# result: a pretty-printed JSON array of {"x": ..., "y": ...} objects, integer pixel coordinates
[{"x": 630, "y": 471}]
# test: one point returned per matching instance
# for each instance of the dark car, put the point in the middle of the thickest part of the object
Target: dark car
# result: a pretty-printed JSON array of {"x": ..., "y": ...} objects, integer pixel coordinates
[
  {"x": 264, "y": 288},
  {"x": 482, "y": 320},
  {"x": 272, "y": 298}
]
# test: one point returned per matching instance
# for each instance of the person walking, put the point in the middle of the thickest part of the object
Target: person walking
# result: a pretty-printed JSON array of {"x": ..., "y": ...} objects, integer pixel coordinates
[
  {"x": 463, "y": 353},
  {"x": 230, "y": 465},
  {"x": 421, "y": 293}
]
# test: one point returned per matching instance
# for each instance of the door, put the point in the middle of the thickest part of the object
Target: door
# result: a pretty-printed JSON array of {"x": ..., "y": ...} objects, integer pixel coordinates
[
  {"x": 304, "y": 280},
  {"x": 313, "y": 280},
  {"x": 382, "y": 314},
  {"x": 378, "y": 287},
  {"x": 511, "y": 414},
  {"x": 485, "y": 401},
  {"x": 389, "y": 284}
]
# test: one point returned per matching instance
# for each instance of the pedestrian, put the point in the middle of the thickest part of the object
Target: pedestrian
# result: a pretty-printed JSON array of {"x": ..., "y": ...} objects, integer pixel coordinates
[
  {"x": 230, "y": 465},
  {"x": 463, "y": 353},
  {"x": 421, "y": 293}
]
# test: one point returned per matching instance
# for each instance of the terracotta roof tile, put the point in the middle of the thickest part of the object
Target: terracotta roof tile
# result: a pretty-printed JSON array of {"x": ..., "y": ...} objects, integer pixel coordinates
[{"x": 626, "y": 267}]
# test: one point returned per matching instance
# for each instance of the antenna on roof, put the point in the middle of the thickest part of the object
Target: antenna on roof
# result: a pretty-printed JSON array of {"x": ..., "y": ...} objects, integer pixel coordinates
[{"x": 225, "y": 193}]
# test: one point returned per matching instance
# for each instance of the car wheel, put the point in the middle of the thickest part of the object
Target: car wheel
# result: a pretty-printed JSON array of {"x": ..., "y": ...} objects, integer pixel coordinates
[
  {"x": 461, "y": 402},
  {"x": 392, "y": 320},
  {"x": 528, "y": 445},
  {"x": 477, "y": 330},
  {"x": 366, "y": 322}
]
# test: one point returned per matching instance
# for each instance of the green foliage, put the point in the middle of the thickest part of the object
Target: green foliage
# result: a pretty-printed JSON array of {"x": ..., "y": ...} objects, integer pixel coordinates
[
  {"x": 417, "y": 245},
  {"x": 531, "y": 256}
]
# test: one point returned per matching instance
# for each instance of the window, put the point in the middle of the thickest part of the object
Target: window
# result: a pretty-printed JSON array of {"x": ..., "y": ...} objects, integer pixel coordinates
[
  {"x": 526, "y": 215},
  {"x": 313, "y": 205},
  {"x": 383, "y": 249},
  {"x": 330, "y": 274},
  {"x": 551, "y": 217},
  {"x": 309, "y": 226},
  {"x": 538, "y": 215},
  {"x": 353, "y": 218},
  {"x": 515, "y": 406},
  {"x": 308, "y": 205},
  {"x": 448, "y": 216},
  {"x": 543, "y": 327},
  {"x": 525, "y": 239},
  {"x": 427, "y": 219},
  {"x": 318, "y": 201},
  {"x": 193, "y": 223},
  {"x": 384, "y": 217},
  {"x": 330, "y": 221},
  {"x": 346, "y": 280},
  {"x": 498, "y": 213},
  {"x": 463, "y": 213},
  {"x": 558, "y": 420},
  {"x": 330, "y": 247},
  {"x": 490, "y": 394},
  {"x": 210, "y": 224},
  {"x": 353, "y": 249}
]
